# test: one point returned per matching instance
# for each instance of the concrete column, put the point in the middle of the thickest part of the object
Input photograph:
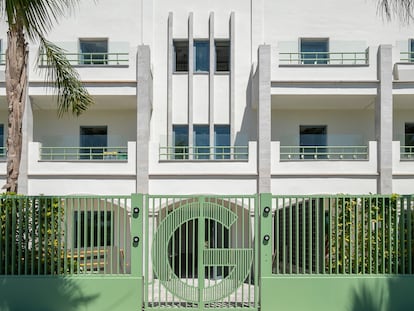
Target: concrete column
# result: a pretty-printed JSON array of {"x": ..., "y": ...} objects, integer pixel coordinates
[
  {"x": 170, "y": 62},
  {"x": 232, "y": 77},
  {"x": 27, "y": 129},
  {"x": 211, "y": 80},
  {"x": 384, "y": 119},
  {"x": 144, "y": 107},
  {"x": 264, "y": 120},
  {"x": 190, "y": 82}
]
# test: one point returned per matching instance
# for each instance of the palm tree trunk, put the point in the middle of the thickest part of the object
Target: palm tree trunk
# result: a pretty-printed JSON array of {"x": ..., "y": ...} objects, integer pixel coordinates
[{"x": 16, "y": 88}]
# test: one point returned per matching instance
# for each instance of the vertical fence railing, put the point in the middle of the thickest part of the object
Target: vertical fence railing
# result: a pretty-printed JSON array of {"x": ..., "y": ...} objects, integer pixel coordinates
[
  {"x": 201, "y": 252},
  {"x": 64, "y": 235},
  {"x": 342, "y": 234}
]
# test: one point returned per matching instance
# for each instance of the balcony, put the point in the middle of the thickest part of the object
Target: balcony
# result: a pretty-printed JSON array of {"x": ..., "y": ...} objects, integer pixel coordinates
[
  {"x": 324, "y": 153},
  {"x": 324, "y": 58},
  {"x": 404, "y": 70},
  {"x": 205, "y": 153},
  {"x": 92, "y": 59}
]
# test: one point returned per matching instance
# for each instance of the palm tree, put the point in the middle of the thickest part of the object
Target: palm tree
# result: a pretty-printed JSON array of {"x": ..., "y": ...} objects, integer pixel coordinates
[
  {"x": 402, "y": 9},
  {"x": 31, "y": 20}
]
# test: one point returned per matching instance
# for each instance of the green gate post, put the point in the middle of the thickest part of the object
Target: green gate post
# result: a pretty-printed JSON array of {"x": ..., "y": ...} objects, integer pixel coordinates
[
  {"x": 137, "y": 242},
  {"x": 265, "y": 247}
]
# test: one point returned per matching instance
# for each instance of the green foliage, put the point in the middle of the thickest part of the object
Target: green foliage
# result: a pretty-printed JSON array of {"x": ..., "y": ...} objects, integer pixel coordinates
[{"x": 32, "y": 237}]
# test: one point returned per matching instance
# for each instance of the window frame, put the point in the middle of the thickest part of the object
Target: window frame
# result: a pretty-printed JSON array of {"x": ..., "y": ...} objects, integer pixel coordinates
[
  {"x": 92, "y": 61},
  {"x": 316, "y": 59},
  {"x": 228, "y": 46}
]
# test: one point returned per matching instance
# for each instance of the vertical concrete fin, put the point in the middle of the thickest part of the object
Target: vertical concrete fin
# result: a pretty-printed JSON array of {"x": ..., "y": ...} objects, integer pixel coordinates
[
  {"x": 211, "y": 80},
  {"x": 170, "y": 62},
  {"x": 190, "y": 80},
  {"x": 232, "y": 82}
]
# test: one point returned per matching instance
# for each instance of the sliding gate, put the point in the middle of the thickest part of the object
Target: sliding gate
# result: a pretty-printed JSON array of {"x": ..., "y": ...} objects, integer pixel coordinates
[{"x": 201, "y": 253}]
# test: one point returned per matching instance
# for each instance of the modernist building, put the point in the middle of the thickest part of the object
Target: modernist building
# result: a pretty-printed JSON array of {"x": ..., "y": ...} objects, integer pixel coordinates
[{"x": 225, "y": 97}]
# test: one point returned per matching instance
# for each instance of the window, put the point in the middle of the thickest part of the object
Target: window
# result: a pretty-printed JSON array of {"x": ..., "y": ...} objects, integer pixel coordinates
[
  {"x": 180, "y": 141},
  {"x": 314, "y": 51},
  {"x": 93, "y": 51},
  {"x": 311, "y": 137},
  {"x": 411, "y": 55},
  {"x": 409, "y": 138},
  {"x": 222, "y": 141},
  {"x": 96, "y": 230},
  {"x": 92, "y": 138},
  {"x": 201, "y": 56},
  {"x": 181, "y": 56},
  {"x": 2, "y": 149},
  {"x": 222, "y": 56},
  {"x": 201, "y": 142}
]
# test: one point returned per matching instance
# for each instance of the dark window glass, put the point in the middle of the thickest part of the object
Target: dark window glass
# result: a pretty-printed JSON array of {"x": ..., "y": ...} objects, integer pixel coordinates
[
  {"x": 94, "y": 52},
  {"x": 222, "y": 56},
  {"x": 91, "y": 139},
  {"x": 201, "y": 56},
  {"x": 180, "y": 141},
  {"x": 311, "y": 137},
  {"x": 96, "y": 229},
  {"x": 411, "y": 55},
  {"x": 181, "y": 56},
  {"x": 201, "y": 142},
  {"x": 314, "y": 51},
  {"x": 2, "y": 149},
  {"x": 222, "y": 141},
  {"x": 409, "y": 134}
]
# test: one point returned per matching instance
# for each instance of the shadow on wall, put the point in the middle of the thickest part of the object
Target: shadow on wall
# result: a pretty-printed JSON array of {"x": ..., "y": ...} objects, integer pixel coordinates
[
  {"x": 396, "y": 295},
  {"x": 19, "y": 293}
]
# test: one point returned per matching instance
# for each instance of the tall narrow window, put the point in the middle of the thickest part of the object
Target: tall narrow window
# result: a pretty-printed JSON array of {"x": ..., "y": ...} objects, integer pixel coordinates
[
  {"x": 180, "y": 141},
  {"x": 2, "y": 149},
  {"x": 409, "y": 138},
  {"x": 93, "y": 51},
  {"x": 201, "y": 56},
  {"x": 93, "y": 139},
  {"x": 411, "y": 55},
  {"x": 201, "y": 142},
  {"x": 311, "y": 139},
  {"x": 180, "y": 56},
  {"x": 222, "y": 55},
  {"x": 222, "y": 141},
  {"x": 93, "y": 229},
  {"x": 314, "y": 51}
]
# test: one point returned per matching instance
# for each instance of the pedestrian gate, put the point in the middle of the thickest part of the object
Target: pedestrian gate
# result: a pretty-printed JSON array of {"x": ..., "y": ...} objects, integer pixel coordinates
[{"x": 201, "y": 253}]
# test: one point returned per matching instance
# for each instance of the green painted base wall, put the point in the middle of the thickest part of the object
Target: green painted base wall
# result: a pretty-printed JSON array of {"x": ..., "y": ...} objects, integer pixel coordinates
[
  {"x": 70, "y": 293},
  {"x": 379, "y": 293}
]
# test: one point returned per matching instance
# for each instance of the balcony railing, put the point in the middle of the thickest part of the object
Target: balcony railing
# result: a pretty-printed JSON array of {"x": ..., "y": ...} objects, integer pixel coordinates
[
  {"x": 339, "y": 153},
  {"x": 204, "y": 153},
  {"x": 92, "y": 59},
  {"x": 3, "y": 154},
  {"x": 84, "y": 153},
  {"x": 324, "y": 58},
  {"x": 2, "y": 59},
  {"x": 407, "y": 153},
  {"x": 407, "y": 57}
]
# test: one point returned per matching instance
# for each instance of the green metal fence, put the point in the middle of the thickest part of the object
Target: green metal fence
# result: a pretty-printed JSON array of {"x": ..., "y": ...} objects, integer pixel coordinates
[
  {"x": 240, "y": 153},
  {"x": 289, "y": 153},
  {"x": 83, "y": 153},
  {"x": 64, "y": 235},
  {"x": 342, "y": 235},
  {"x": 202, "y": 252},
  {"x": 324, "y": 58}
]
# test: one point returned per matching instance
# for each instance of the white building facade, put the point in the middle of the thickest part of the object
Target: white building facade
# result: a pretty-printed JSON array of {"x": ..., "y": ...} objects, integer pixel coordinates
[{"x": 224, "y": 97}]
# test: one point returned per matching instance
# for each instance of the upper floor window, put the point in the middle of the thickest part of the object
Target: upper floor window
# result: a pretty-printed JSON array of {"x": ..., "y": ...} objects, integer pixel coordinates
[
  {"x": 2, "y": 149},
  {"x": 222, "y": 141},
  {"x": 93, "y": 51},
  {"x": 222, "y": 55},
  {"x": 181, "y": 56},
  {"x": 310, "y": 140},
  {"x": 314, "y": 50},
  {"x": 201, "y": 142},
  {"x": 411, "y": 53},
  {"x": 180, "y": 141},
  {"x": 201, "y": 56}
]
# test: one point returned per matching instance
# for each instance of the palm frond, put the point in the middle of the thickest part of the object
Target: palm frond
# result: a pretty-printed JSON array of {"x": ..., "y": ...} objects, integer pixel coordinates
[
  {"x": 401, "y": 9},
  {"x": 71, "y": 95},
  {"x": 36, "y": 16}
]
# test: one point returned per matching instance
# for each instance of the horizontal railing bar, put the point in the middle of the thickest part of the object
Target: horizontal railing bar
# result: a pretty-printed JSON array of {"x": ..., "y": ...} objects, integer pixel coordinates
[{"x": 203, "y": 152}]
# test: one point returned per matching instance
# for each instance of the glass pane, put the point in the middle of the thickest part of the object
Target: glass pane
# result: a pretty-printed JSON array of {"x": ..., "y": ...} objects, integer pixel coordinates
[
  {"x": 90, "y": 138},
  {"x": 411, "y": 55},
  {"x": 94, "y": 52},
  {"x": 222, "y": 56},
  {"x": 222, "y": 141},
  {"x": 180, "y": 141},
  {"x": 2, "y": 149},
  {"x": 201, "y": 139},
  {"x": 181, "y": 55},
  {"x": 313, "y": 136},
  {"x": 201, "y": 56},
  {"x": 314, "y": 51}
]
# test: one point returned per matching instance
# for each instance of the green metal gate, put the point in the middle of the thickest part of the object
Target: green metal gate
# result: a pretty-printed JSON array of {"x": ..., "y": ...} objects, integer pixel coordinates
[{"x": 201, "y": 253}]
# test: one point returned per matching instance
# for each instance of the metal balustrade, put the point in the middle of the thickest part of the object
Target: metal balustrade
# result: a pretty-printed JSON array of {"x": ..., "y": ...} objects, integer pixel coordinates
[
  {"x": 407, "y": 57},
  {"x": 407, "y": 152},
  {"x": 64, "y": 235},
  {"x": 204, "y": 153},
  {"x": 83, "y": 153},
  {"x": 291, "y": 153},
  {"x": 92, "y": 59},
  {"x": 324, "y": 58},
  {"x": 352, "y": 235}
]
